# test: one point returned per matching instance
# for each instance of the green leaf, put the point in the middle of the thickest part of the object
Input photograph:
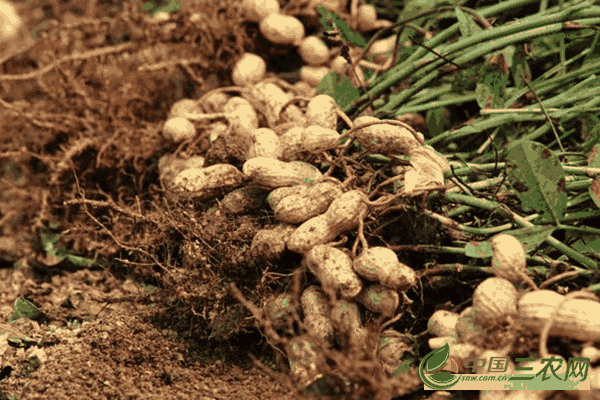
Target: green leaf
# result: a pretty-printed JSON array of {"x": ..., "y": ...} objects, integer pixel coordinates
[
  {"x": 348, "y": 35},
  {"x": 478, "y": 249},
  {"x": 538, "y": 179},
  {"x": 437, "y": 120},
  {"x": 23, "y": 308},
  {"x": 490, "y": 92},
  {"x": 520, "y": 68},
  {"x": 339, "y": 87}
]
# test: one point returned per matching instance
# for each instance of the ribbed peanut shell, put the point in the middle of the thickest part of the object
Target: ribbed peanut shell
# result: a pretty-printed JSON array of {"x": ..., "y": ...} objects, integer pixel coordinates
[
  {"x": 320, "y": 111},
  {"x": 270, "y": 173},
  {"x": 381, "y": 264},
  {"x": 341, "y": 216},
  {"x": 317, "y": 313},
  {"x": 281, "y": 193},
  {"x": 442, "y": 323},
  {"x": 508, "y": 260},
  {"x": 347, "y": 322},
  {"x": 241, "y": 114},
  {"x": 296, "y": 209},
  {"x": 577, "y": 319},
  {"x": 269, "y": 244},
  {"x": 494, "y": 300},
  {"x": 209, "y": 182},
  {"x": 379, "y": 299},
  {"x": 303, "y": 359},
  {"x": 280, "y": 310},
  {"x": 333, "y": 268},
  {"x": 313, "y": 139},
  {"x": 265, "y": 143},
  {"x": 272, "y": 95},
  {"x": 384, "y": 138},
  {"x": 391, "y": 351},
  {"x": 243, "y": 200}
]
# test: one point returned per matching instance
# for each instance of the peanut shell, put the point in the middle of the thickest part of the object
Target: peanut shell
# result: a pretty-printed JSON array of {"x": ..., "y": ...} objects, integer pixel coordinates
[
  {"x": 381, "y": 264},
  {"x": 333, "y": 268}
]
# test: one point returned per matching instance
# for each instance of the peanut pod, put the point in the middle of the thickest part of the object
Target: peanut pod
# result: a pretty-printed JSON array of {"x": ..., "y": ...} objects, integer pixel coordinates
[
  {"x": 333, "y": 268},
  {"x": 315, "y": 200},
  {"x": 304, "y": 360},
  {"x": 381, "y": 264},
  {"x": 317, "y": 314},
  {"x": 209, "y": 182},
  {"x": 577, "y": 319},
  {"x": 342, "y": 215},
  {"x": 392, "y": 350},
  {"x": 494, "y": 300},
  {"x": 384, "y": 138},
  {"x": 243, "y": 200},
  {"x": 313, "y": 139},
  {"x": 280, "y": 310},
  {"x": 270, "y": 173},
  {"x": 265, "y": 143},
  {"x": 346, "y": 319},
  {"x": 379, "y": 299},
  {"x": 269, "y": 244},
  {"x": 321, "y": 111}
]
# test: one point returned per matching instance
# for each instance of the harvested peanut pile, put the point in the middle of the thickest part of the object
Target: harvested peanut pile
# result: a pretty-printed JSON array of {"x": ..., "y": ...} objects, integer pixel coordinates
[{"x": 192, "y": 207}]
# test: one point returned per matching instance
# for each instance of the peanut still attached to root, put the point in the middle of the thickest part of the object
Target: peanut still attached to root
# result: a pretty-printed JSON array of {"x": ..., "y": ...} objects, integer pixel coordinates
[
  {"x": 317, "y": 314},
  {"x": 381, "y": 264},
  {"x": 270, "y": 173},
  {"x": 309, "y": 203},
  {"x": 342, "y": 215},
  {"x": 577, "y": 319},
  {"x": 333, "y": 268}
]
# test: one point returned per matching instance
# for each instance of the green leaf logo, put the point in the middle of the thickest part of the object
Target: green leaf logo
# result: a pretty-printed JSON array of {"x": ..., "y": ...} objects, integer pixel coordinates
[{"x": 432, "y": 362}]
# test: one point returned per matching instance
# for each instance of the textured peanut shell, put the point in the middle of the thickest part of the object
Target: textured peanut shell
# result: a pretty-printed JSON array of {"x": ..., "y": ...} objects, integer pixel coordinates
[
  {"x": 381, "y": 264},
  {"x": 385, "y": 139},
  {"x": 281, "y": 193},
  {"x": 269, "y": 244},
  {"x": 391, "y": 350},
  {"x": 313, "y": 139},
  {"x": 341, "y": 216},
  {"x": 301, "y": 207},
  {"x": 209, "y": 182},
  {"x": 494, "y": 300},
  {"x": 509, "y": 257},
  {"x": 333, "y": 268},
  {"x": 242, "y": 115},
  {"x": 304, "y": 360},
  {"x": 265, "y": 143},
  {"x": 280, "y": 310},
  {"x": 317, "y": 314},
  {"x": 346, "y": 317},
  {"x": 320, "y": 111},
  {"x": 577, "y": 319},
  {"x": 442, "y": 323},
  {"x": 272, "y": 95},
  {"x": 270, "y": 173},
  {"x": 243, "y": 200},
  {"x": 379, "y": 299}
]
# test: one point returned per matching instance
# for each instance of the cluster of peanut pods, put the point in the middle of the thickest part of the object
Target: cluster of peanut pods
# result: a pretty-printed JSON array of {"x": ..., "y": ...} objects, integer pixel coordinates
[{"x": 313, "y": 209}]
